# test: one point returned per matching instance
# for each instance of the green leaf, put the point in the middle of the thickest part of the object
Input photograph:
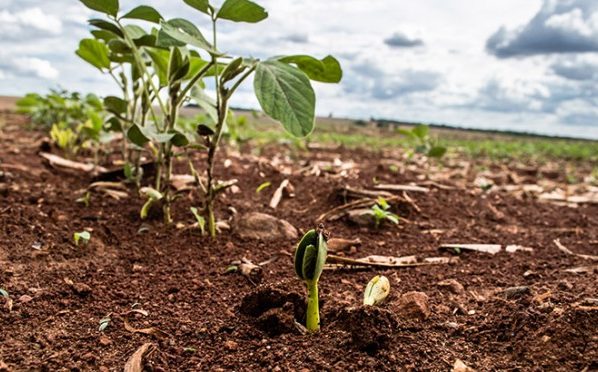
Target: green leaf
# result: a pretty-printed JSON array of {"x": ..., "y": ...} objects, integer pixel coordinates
[
  {"x": 437, "y": 152},
  {"x": 103, "y": 35},
  {"x": 185, "y": 32},
  {"x": 421, "y": 131},
  {"x": 201, "y": 5},
  {"x": 310, "y": 258},
  {"x": 160, "y": 59},
  {"x": 242, "y": 11},
  {"x": 285, "y": 94},
  {"x": 106, "y": 26},
  {"x": 327, "y": 70},
  {"x": 136, "y": 135},
  {"x": 310, "y": 238},
  {"x": 109, "y": 7},
  {"x": 4, "y": 293},
  {"x": 115, "y": 105},
  {"x": 201, "y": 221},
  {"x": 144, "y": 12},
  {"x": 119, "y": 46},
  {"x": 134, "y": 31},
  {"x": 322, "y": 255},
  {"x": 177, "y": 65},
  {"x": 178, "y": 139},
  {"x": 95, "y": 53},
  {"x": 83, "y": 236}
]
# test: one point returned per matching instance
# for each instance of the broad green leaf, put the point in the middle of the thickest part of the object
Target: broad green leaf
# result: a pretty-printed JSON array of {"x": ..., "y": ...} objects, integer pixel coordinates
[
  {"x": 310, "y": 259},
  {"x": 134, "y": 31},
  {"x": 142, "y": 135},
  {"x": 145, "y": 41},
  {"x": 136, "y": 135},
  {"x": 160, "y": 60},
  {"x": 103, "y": 35},
  {"x": 310, "y": 238},
  {"x": 144, "y": 12},
  {"x": 106, "y": 26},
  {"x": 285, "y": 94},
  {"x": 109, "y": 7},
  {"x": 113, "y": 125},
  {"x": 421, "y": 131},
  {"x": 242, "y": 11},
  {"x": 179, "y": 139},
  {"x": 327, "y": 70},
  {"x": 185, "y": 32},
  {"x": 195, "y": 65},
  {"x": 322, "y": 255},
  {"x": 94, "y": 52},
  {"x": 119, "y": 46},
  {"x": 437, "y": 152},
  {"x": 115, "y": 105},
  {"x": 201, "y": 5}
]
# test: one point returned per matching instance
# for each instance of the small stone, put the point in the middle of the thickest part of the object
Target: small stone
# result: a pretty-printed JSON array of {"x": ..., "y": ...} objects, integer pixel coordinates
[
  {"x": 105, "y": 341},
  {"x": 516, "y": 292},
  {"x": 230, "y": 345},
  {"x": 452, "y": 285},
  {"x": 25, "y": 298},
  {"x": 459, "y": 366},
  {"x": 81, "y": 289},
  {"x": 565, "y": 285},
  {"x": 264, "y": 227},
  {"x": 414, "y": 305}
]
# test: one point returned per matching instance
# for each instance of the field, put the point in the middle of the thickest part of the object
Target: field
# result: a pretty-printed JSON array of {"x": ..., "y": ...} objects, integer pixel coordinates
[{"x": 169, "y": 298}]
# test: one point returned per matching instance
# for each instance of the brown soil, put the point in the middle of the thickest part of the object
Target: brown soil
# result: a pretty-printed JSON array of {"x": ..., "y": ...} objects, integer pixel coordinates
[{"x": 199, "y": 318}]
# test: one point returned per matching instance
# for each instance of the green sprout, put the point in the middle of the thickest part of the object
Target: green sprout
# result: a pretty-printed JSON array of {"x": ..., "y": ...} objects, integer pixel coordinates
[
  {"x": 82, "y": 236},
  {"x": 309, "y": 263},
  {"x": 85, "y": 199},
  {"x": 263, "y": 186},
  {"x": 201, "y": 221},
  {"x": 152, "y": 195},
  {"x": 381, "y": 212},
  {"x": 423, "y": 143},
  {"x": 376, "y": 291}
]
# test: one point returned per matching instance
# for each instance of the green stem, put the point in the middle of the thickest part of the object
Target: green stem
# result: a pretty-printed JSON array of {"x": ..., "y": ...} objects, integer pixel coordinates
[{"x": 313, "y": 308}]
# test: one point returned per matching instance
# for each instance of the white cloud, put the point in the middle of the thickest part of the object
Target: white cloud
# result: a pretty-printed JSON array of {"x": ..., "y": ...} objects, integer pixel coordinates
[
  {"x": 37, "y": 66},
  {"x": 18, "y": 24}
]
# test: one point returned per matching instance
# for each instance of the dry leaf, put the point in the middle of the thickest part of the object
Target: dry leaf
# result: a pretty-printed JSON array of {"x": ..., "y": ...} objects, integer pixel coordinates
[
  {"x": 484, "y": 248},
  {"x": 57, "y": 161},
  {"x": 135, "y": 362},
  {"x": 568, "y": 251},
  {"x": 152, "y": 331}
]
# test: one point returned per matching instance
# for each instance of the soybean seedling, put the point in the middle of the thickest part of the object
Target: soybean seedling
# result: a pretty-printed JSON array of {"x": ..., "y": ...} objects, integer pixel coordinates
[
  {"x": 201, "y": 222},
  {"x": 376, "y": 291},
  {"x": 423, "y": 143},
  {"x": 381, "y": 212},
  {"x": 310, "y": 257},
  {"x": 82, "y": 236}
]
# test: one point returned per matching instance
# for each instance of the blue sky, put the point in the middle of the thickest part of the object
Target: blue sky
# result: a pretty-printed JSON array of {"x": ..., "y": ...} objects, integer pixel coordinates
[{"x": 510, "y": 64}]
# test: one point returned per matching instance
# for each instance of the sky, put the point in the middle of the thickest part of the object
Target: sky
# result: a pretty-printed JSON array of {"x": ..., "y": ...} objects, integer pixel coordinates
[{"x": 504, "y": 64}]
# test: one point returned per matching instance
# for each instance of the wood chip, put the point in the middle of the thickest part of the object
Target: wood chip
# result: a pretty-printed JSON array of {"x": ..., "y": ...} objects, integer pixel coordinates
[
  {"x": 340, "y": 244},
  {"x": 390, "y": 187},
  {"x": 285, "y": 185},
  {"x": 484, "y": 248},
  {"x": 583, "y": 269},
  {"x": 515, "y": 248},
  {"x": 568, "y": 251},
  {"x": 135, "y": 362},
  {"x": 60, "y": 162},
  {"x": 152, "y": 331},
  {"x": 383, "y": 261}
]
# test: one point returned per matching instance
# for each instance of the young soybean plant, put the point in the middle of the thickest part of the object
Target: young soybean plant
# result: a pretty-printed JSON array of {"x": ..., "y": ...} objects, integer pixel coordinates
[
  {"x": 310, "y": 258},
  {"x": 281, "y": 84}
]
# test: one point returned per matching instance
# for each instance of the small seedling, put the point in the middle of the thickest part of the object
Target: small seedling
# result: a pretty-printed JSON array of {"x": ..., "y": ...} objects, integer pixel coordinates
[
  {"x": 376, "y": 291},
  {"x": 4, "y": 293},
  {"x": 104, "y": 323},
  {"x": 381, "y": 212},
  {"x": 153, "y": 196},
  {"x": 423, "y": 143},
  {"x": 262, "y": 187},
  {"x": 85, "y": 199},
  {"x": 201, "y": 222},
  {"x": 82, "y": 236},
  {"x": 310, "y": 258}
]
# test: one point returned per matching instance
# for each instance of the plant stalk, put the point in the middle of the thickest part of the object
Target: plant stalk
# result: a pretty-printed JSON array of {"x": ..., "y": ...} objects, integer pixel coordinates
[{"x": 313, "y": 307}]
